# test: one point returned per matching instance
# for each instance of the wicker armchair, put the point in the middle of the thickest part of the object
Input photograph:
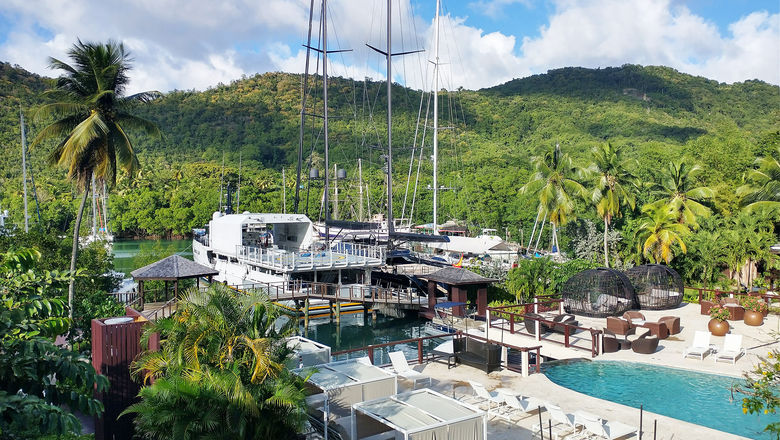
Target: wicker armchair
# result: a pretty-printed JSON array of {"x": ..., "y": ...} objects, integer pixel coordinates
[
  {"x": 645, "y": 344},
  {"x": 611, "y": 343},
  {"x": 632, "y": 314},
  {"x": 561, "y": 320},
  {"x": 657, "y": 329},
  {"x": 672, "y": 324},
  {"x": 619, "y": 325},
  {"x": 530, "y": 324},
  {"x": 706, "y": 306}
]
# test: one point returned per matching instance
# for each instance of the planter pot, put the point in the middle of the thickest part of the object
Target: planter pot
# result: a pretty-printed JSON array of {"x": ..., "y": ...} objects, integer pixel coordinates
[
  {"x": 718, "y": 328},
  {"x": 753, "y": 318}
]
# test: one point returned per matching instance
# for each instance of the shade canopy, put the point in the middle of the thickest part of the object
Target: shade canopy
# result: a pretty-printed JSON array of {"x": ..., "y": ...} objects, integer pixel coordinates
[
  {"x": 598, "y": 292},
  {"x": 174, "y": 267},
  {"x": 656, "y": 287},
  {"x": 421, "y": 414},
  {"x": 456, "y": 276}
]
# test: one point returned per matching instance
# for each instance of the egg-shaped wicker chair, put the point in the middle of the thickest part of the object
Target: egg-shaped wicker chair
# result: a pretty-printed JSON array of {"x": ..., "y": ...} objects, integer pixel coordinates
[
  {"x": 656, "y": 287},
  {"x": 598, "y": 292}
]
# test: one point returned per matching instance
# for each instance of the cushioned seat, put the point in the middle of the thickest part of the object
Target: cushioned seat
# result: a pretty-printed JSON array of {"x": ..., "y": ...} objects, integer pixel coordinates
[{"x": 672, "y": 324}]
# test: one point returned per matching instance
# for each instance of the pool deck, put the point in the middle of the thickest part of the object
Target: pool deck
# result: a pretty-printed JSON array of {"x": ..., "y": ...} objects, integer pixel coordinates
[{"x": 757, "y": 341}]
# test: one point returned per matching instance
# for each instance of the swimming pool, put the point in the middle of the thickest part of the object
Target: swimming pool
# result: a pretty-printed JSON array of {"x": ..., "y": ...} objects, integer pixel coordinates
[{"x": 691, "y": 396}]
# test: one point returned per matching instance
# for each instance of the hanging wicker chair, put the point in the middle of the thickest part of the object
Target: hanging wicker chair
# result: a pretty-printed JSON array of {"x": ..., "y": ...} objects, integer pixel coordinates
[
  {"x": 598, "y": 292},
  {"x": 656, "y": 287}
]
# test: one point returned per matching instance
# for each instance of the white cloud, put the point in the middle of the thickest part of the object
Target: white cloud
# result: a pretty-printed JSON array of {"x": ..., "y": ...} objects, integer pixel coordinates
[
  {"x": 495, "y": 8},
  {"x": 199, "y": 43}
]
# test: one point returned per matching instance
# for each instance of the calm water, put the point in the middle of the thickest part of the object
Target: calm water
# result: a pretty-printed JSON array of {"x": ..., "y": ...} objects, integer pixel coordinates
[
  {"x": 700, "y": 398},
  {"x": 355, "y": 332},
  {"x": 132, "y": 254}
]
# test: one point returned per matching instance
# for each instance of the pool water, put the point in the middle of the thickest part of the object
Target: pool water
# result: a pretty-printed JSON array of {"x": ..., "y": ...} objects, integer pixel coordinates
[
  {"x": 356, "y": 330},
  {"x": 700, "y": 398}
]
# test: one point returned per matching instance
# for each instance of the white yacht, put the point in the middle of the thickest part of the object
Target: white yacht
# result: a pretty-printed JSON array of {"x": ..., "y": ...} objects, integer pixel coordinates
[{"x": 280, "y": 252}]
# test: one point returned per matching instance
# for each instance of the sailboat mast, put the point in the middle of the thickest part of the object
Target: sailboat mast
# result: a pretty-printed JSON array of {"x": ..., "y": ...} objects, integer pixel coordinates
[
  {"x": 436, "y": 123},
  {"x": 303, "y": 111},
  {"x": 389, "y": 121},
  {"x": 360, "y": 179},
  {"x": 325, "y": 111},
  {"x": 24, "y": 171}
]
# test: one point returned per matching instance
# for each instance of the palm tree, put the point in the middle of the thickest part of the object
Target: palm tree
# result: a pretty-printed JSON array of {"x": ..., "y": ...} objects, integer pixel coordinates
[
  {"x": 91, "y": 116},
  {"x": 659, "y": 232},
  {"x": 555, "y": 183},
  {"x": 762, "y": 189},
  {"x": 219, "y": 371},
  {"x": 613, "y": 185},
  {"x": 678, "y": 191}
]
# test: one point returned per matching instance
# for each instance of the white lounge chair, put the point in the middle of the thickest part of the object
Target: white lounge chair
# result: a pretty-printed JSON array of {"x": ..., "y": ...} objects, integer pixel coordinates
[
  {"x": 365, "y": 360},
  {"x": 403, "y": 369},
  {"x": 563, "y": 424},
  {"x": 609, "y": 430},
  {"x": 732, "y": 349},
  {"x": 492, "y": 398},
  {"x": 700, "y": 347},
  {"x": 521, "y": 403}
]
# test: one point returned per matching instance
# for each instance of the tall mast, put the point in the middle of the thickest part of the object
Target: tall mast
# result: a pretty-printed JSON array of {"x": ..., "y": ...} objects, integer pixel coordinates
[
  {"x": 389, "y": 121},
  {"x": 325, "y": 111},
  {"x": 436, "y": 122},
  {"x": 303, "y": 110},
  {"x": 24, "y": 171},
  {"x": 238, "y": 193},
  {"x": 360, "y": 179}
]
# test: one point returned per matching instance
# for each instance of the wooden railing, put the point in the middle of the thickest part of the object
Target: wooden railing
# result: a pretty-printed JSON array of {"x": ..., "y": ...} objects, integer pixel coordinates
[
  {"x": 154, "y": 315},
  {"x": 283, "y": 291},
  {"x": 369, "y": 350},
  {"x": 768, "y": 297},
  {"x": 515, "y": 316}
]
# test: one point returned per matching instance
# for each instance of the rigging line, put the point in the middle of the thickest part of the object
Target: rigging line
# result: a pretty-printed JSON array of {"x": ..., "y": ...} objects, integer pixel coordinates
[
  {"x": 304, "y": 84},
  {"x": 313, "y": 140},
  {"x": 411, "y": 156},
  {"x": 419, "y": 162}
]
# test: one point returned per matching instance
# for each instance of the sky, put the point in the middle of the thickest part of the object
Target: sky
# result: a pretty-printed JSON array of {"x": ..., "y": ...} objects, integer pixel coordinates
[{"x": 197, "y": 44}]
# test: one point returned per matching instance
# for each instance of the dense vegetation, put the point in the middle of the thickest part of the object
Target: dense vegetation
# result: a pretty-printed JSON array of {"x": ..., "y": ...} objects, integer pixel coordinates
[{"x": 655, "y": 116}]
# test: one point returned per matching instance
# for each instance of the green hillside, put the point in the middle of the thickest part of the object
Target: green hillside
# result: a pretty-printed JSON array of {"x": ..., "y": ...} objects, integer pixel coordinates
[{"x": 657, "y": 113}]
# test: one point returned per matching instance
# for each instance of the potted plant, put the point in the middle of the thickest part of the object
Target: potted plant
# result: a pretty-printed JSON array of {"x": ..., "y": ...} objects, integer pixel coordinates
[
  {"x": 718, "y": 325},
  {"x": 754, "y": 310}
]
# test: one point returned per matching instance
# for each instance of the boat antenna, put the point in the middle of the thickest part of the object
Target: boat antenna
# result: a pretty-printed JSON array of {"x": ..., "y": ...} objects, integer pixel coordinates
[
  {"x": 221, "y": 180},
  {"x": 24, "y": 171},
  {"x": 304, "y": 87},
  {"x": 238, "y": 193}
]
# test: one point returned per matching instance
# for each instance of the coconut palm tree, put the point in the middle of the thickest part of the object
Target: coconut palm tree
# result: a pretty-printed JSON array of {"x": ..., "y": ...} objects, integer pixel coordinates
[
  {"x": 762, "y": 187},
  {"x": 219, "y": 371},
  {"x": 613, "y": 186},
  {"x": 91, "y": 119},
  {"x": 659, "y": 232},
  {"x": 678, "y": 191},
  {"x": 556, "y": 184}
]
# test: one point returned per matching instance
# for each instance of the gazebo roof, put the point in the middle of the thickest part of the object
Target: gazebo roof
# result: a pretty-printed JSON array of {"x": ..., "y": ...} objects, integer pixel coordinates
[
  {"x": 174, "y": 267},
  {"x": 456, "y": 276}
]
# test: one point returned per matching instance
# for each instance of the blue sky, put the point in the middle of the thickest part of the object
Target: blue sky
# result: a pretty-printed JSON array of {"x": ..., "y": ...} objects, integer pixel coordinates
[{"x": 195, "y": 44}]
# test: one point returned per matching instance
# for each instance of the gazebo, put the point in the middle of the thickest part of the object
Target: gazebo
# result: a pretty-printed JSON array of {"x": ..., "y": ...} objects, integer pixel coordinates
[
  {"x": 173, "y": 268},
  {"x": 458, "y": 281},
  {"x": 598, "y": 292},
  {"x": 656, "y": 286}
]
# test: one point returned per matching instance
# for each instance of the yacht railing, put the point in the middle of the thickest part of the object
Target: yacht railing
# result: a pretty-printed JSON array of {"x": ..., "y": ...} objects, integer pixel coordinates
[{"x": 341, "y": 255}]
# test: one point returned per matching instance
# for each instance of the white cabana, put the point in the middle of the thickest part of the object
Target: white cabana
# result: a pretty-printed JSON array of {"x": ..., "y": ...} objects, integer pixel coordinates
[
  {"x": 306, "y": 352},
  {"x": 336, "y": 386},
  {"x": 419, "y": 415}
]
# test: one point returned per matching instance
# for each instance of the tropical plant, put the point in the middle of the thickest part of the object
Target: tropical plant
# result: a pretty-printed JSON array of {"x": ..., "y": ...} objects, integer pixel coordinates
[
  {"x": 91, "y": 119},
  {"x": 762, "y": 187},
  {"x": 754, "y": 304},
  {"x": 747, "y": 238},
  {"x": 530, "y": 278},
  {"x": 762, "y": 389},
  {"x": 613, "y": 185},
  {"x": 555, "y": 183},
  {"x": 719, "y": 312},
  {"x": 659, "y": 233},
  {"x": 678, "y": 190},
  {"x": 219, "y": 371},
  {"x": 37, "y": 378}
]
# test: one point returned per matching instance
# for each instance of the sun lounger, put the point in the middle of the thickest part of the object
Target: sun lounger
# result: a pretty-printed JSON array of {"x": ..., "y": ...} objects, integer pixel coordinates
[
  {"x": 520, "y": 404},
  {"x": 732, "y": 349},
  {"x": 365, "y": 360},
  {"x": 603, "y": 429},
  {"x": 563, "y": 424},
  {"x": 492, "y": 398},
  {"x": 403, "y": 369},
  {"x": 700, "y": 346}
]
